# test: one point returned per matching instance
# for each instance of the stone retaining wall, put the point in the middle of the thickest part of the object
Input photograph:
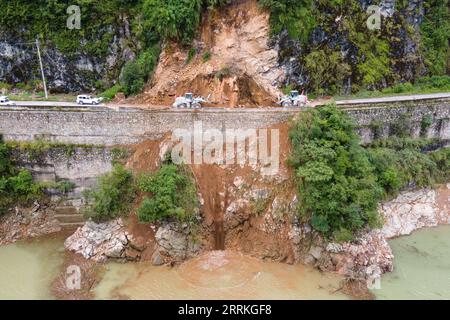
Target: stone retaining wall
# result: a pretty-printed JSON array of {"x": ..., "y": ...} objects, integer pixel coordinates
[
  {"x": 80, "y": 165},
  {"x": 109, "y": 127}
]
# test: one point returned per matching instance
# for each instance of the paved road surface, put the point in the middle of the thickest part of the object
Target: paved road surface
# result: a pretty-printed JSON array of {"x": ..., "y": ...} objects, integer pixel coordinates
[
  {"x": 36, "y": 104},
  {"x": 395, "y": 98},
  {"x": 48, "y": 104}
]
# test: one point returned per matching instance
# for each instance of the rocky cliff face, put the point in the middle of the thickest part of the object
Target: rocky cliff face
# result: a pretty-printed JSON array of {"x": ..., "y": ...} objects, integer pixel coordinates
[
  {"x": 66, "y": 71},
  {"x": 339, "y": 54},
  {"x": 370, "y": 255},
  {"x": 342, "y": 30},
  {"x": 415, "y": 210}
]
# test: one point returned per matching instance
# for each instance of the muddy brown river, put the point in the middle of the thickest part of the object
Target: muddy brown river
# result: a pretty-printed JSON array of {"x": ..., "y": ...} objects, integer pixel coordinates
[
  {"x": 218, "y": 275},
  {"x": 422, "y": 271}
]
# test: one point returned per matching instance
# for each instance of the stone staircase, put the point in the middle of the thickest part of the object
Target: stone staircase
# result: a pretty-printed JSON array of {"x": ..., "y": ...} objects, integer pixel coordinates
[{"x": 69, "y": 217}]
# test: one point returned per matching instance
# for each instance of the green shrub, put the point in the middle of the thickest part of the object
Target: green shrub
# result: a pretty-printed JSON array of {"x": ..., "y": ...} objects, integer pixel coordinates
[
  {"x": 397, "y": 144},
  {"x": 442, "y": 160},
  {"x": 434, "y": 31},
  {"x": 5, "y": 86},
  {"x": 340, "y": 183},
  {"x": 20, "y": 86},
  {"x": 110, "y": 93},
  {"x": 119, "y": 154},
  {"x": 136, "y": 73},
  {"x": 65, "y": 186},
  {"x": 327, "y": 71},
  {"x": 337, "y": 186},
  {"x": 22, "y": 184},
  {"x": 217, "y": 3},
  {"x": 403, "y": 161},
  {"x": 173, "y": 194},
  {"x": 113, "y": 196},
  {"x": 377, "y": 128},
  {"x": 132, "y": 78},
  {"x": 223, "y": 73},
  {"x": 175, "y": 19},
  {"x": 15, "y": 185},
  {"x": 342, "y": 235},
  {"x": 191, "y": 54},
  {"x": 295, "y": 16},
  {"x": 206, "y": 56},
  {"x": 48, "y": 19},
  {"x": 434, "y": 82},
  {"x": 400, "y": 88},
  {"x": 397, "y": 169},
  {"x": 425, "y": 124},
  {"x": 172, "y": 19},
  {"x": 402, "y": 126},
  {"x": 259, "y": 205}
]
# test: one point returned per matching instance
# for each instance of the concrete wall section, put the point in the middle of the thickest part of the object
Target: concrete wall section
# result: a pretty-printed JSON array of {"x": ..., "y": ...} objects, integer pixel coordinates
[{"x": 108, "y": 127}]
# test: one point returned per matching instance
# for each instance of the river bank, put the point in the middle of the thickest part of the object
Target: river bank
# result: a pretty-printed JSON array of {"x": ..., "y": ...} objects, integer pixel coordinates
[
  {"x": 31, "y": 268},
  {"x": 101, "y": 245}
]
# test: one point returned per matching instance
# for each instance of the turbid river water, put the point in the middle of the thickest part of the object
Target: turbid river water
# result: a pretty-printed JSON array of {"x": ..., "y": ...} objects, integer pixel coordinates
[
  {"x": 27, "y": 269},
  {"x": 218, "y": 275},
  {"x": 422, "y": 267},
  {"x": 422, "y": 271}
]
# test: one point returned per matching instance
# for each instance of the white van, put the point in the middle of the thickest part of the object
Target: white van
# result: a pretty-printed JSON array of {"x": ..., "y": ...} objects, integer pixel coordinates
[
  {"x": 86, "y": 99},
  {"x": 4, "y": 101}
]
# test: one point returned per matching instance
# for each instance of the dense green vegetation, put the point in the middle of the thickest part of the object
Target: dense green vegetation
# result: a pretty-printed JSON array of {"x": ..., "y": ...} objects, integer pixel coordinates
[
  {"x": 15, "y": 185},
  {"x": 173, "y": 194},
  {"x": 36, "y": 148},
  {"x": 47, "y": 21},
  {"x": 401, "y": 162},
  {"x": 337, "y": 47},
  {"x": 329, "y": 28},
  {"x": 110, "y": 93},
  {"x": 341, "y": 183},
  {"x": 423, "y": 85},
  {"x": 150, "y": 22},
  {"x": 175, "y": 19},
  {"x": 136, "y": 73},
  {"x": 295, "y": 16},
  {"x": 337, "y": 183},
  {"x": 169, "y": 193},
  {"x": 113, "y": 197},
  {"x": 435, "y": 32}
]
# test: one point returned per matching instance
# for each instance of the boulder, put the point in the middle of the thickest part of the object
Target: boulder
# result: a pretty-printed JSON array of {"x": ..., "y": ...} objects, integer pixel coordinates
[
  {"x": 175, "y": 241},
  {"x": 410, "y": 211},
  {"x": 157, "y": 259},
  {"x": 102, "y": 241},
  {"x": 367, "y": 257}
]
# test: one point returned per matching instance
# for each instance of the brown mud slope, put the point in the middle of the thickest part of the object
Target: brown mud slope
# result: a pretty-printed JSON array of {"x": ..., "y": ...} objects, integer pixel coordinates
[
  {"x": 242, "y": 69},
  {"x": 221, "y": 186},
  {"x": 252, "y": 228}
]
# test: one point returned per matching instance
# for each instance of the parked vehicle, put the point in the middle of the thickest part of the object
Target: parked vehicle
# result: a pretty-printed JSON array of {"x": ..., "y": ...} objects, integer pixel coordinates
[
  {"x": 4, "y": 101},
  {"x": 294, "y": 99},
  {"x": 188, "y": 101},
  {"x": 86, "y": 99}
]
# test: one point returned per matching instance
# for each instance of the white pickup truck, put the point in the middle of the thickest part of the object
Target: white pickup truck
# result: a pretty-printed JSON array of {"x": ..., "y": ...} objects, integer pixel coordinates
[
  {"x": 4, "y": 101},
  {"x": 86, "y": 99}
]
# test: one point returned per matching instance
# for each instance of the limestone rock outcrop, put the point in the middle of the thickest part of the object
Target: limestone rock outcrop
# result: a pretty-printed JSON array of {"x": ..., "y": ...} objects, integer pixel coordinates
[
  {"x": 369, "y": 255},
  {"x": 411, "y": 211},
  {"x": 175, "y": 242},
  {"x": 102, "y": 241}
]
